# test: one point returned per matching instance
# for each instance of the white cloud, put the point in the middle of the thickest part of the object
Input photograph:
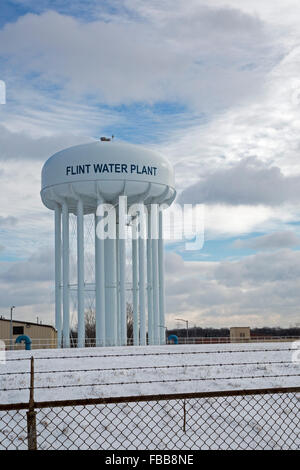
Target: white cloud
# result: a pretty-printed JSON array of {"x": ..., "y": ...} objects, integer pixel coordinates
[
  {"x": 248, "y": 182},
  {"x": 21, "y": 146},
  {"x": 224, "y": 220},
  {"x": 272, "y": 241},
  {"x": 255, "y": 291},
  {"x": 41, "y": 115},
  {"x": 8, "y": 221},
  {"x": 28, "y": 285},
  {"x": 266, "y": 128},
  {"x": 282, "y": 265},
  {"x": 38, "y": 267},
  {"x": 210, "y": 58}
]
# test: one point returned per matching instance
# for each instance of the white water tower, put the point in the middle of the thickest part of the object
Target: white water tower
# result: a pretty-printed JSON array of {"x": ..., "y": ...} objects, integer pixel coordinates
[{"x": 79, "y": 180}]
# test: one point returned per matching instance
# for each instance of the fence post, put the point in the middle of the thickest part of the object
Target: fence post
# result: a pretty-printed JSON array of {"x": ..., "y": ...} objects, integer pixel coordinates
[
  {"x": 31, "y": 413},
  {"x": 184, "y": 416}
]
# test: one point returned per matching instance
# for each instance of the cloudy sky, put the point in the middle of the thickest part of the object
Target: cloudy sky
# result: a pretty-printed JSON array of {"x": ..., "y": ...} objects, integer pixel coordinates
[{"x": 215, "y": 86}]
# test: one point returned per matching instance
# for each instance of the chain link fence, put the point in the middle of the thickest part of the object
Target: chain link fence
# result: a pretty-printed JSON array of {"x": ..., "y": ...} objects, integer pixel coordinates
[
  {"x": 251, "y": 419},
  {"x": 13, "y": 430},
  {"x": 262, "y": 419}
]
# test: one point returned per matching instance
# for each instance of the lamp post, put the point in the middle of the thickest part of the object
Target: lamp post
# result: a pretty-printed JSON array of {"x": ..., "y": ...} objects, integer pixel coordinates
[
  {"x": 187, "y": 327},
  {"x": 166, "y": 329},
  {"x": 11, "y": 327}
]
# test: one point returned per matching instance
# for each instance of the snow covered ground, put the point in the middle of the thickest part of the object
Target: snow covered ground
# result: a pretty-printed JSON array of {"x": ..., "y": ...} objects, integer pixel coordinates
[
  {"x": 253, "y": 422},
  {"x": 197, "y": 368}
]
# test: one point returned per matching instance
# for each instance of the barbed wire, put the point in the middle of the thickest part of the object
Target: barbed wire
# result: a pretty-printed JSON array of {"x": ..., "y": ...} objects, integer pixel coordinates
[
  {"x": 136, "y": 382},
  {"x": 172, "y": 366},
  {"x": 223, "y": 351}
]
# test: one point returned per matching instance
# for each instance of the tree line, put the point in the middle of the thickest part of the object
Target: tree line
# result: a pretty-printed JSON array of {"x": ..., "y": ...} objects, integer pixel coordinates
[{"x": 90, "y": 329}]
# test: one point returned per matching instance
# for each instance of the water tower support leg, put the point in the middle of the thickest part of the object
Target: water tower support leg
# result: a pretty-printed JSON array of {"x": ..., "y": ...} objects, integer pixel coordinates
[
  {"x": 110, "y": 291},
  {"x": 58, "y": 273},
  {"x": 149, "y": 282},
  {"x": 122, "y": 237},
  {"x": 80, "y": 274},
  {"x": 99, "y": 283},
  {"x": 135, "y": 285},
  {"x": 66, "y": 269},
  {"x": 161, "y": 272},
  {"x": 122, "y": 272},
  {"x": 155, "y": 283},
  {"x": 118, "y": 292},
  {"x": 142, "y": 293}
]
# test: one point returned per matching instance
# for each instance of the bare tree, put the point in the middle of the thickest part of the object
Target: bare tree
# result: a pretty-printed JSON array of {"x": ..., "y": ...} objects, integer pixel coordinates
[
  {"x": 129, "y": 313},
  {"x": 90, "y": 327}
]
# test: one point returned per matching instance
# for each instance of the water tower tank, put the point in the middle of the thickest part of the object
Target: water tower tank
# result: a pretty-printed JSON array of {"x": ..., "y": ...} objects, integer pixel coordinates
[{"x": 79, "y": 180}]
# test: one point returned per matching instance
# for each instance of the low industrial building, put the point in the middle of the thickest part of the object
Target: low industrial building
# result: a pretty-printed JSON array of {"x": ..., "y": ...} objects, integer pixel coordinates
[
  {"x": 240, "y": 334},
  {"x": 41, "y": 336}
]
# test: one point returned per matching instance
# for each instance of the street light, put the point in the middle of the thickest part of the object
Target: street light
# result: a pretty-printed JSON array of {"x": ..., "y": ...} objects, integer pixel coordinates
[
  {"x": 11, "y": 326},
  {"x": 187, "y": 326},
  {"x": 165, "y": 327}
]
